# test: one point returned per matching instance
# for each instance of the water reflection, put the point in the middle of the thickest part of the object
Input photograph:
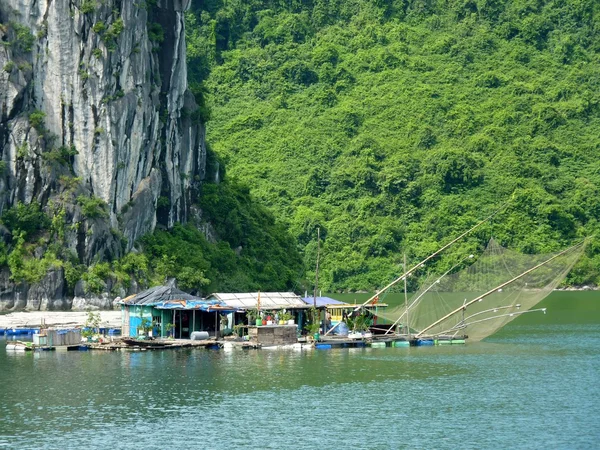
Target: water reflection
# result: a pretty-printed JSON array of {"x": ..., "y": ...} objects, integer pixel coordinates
[{"x": 515, "y": 389}]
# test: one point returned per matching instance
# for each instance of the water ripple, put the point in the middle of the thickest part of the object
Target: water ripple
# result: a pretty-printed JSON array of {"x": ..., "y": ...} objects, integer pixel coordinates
[{"x": 531, "y": 387}]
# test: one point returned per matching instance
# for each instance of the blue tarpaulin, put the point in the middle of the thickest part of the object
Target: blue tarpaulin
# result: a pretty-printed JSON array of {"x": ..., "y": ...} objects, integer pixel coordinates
[
  {"x": 322, "y": 301},
  {"x": 201, "y": 305}
]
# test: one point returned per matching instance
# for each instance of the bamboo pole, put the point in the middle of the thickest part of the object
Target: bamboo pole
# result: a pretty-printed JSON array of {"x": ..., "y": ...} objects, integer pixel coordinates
[
  {"x": 317, "y": 268},
  {"x": 416, "y": 266},
  {"x": 406, "y": 300},
  {"x": 491, "y": 291}
]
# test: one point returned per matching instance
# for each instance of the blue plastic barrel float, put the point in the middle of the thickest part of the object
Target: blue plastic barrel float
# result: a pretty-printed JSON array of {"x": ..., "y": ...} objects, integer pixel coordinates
[
  {"x": 424, "y": 342},
  {"x": 2, "y": 331},
  {"x": 21, "y": 331},
  {"x": 323, "y": 346}
]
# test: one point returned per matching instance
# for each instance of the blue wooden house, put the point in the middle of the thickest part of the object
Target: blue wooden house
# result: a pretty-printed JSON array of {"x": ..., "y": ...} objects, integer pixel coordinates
[{"x": 171, "y": 312}]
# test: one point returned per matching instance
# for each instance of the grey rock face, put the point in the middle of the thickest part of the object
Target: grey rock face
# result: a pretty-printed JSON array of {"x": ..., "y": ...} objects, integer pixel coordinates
[
  {"x": 105, "y": 83},
  {"x": 12, "y": 296},
  {"x": 49, "y": 294}
]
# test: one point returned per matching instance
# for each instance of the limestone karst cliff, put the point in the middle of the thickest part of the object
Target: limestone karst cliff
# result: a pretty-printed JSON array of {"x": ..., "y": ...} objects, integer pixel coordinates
[{"x": 96, "y": 126}]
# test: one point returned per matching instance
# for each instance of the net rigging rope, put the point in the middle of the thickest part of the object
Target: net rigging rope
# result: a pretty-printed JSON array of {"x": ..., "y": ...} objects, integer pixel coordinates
[{"x": 438, "y": 297}]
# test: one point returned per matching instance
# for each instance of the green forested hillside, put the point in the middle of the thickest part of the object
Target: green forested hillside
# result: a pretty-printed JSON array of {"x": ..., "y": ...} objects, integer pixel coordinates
[{"x": 395, "y": 125}]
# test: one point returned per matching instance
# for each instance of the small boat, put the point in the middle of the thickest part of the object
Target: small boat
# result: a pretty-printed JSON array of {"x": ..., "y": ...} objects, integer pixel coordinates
[
  {"x": 144, "y": 343},
  {"x": 19, "y": 346}
]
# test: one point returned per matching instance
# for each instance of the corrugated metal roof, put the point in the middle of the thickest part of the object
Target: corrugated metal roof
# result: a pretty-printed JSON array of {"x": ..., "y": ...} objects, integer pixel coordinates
[
  {"x": 169, "y": 297},
  {"x": 158, "y": 294},
  {"x": 268, "y": 300}
]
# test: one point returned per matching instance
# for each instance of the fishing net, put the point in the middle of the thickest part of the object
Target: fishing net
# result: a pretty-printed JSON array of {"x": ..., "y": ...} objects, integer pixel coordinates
[{"x": 479, "y": 300}]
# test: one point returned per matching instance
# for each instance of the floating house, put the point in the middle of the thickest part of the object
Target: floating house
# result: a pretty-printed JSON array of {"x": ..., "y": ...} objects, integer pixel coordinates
[
  {"x": 338, "y": 309},
  {"x": 168, "y": 311},
  {"x": 268, "y": 304},
  {"x": 262, "y": 301}
]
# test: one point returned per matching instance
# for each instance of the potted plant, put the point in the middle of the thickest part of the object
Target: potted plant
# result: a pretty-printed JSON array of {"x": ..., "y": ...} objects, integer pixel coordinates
[
  {"x": 359, "y": 326},
  {"x": 251, "y": 315},
  {"x": 92, "y": 325},
  {"x": 363, "y": 325},
  {"x": 313, "y": 331},
  {"x": 352, "y": 334},
  {"x": 287, "y": 318},
  {"x": 238, "y": 330},
  {"x": 169, "y": 328},
  {"x": 314, "y": 326},
  {"x": 145, "y": 327}
]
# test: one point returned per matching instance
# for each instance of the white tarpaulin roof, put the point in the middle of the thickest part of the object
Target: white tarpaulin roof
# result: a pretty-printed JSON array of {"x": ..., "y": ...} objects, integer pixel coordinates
[{"x": 268, "y": 300}]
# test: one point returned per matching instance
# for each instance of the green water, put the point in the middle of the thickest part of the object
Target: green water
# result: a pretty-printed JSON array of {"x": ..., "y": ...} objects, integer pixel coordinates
[{"x": 532, "y": 385}]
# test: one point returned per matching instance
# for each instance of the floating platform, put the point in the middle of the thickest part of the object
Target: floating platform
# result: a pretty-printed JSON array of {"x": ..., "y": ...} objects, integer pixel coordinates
[
  {"x": 325, "y": 343},
  {"x": 162, "y": 344},
  {"x": 383, "y": 341}
]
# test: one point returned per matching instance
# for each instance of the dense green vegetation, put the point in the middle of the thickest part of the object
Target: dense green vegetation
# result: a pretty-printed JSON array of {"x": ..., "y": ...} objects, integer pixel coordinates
[
  {"x": 254, "y": 253},
  {"x": 243, "y": 248},
  {"x": 395, "y": 125}
]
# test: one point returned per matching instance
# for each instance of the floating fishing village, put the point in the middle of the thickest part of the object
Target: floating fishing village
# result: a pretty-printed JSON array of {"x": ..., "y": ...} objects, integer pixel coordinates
[{"x": 470, "y": 301}]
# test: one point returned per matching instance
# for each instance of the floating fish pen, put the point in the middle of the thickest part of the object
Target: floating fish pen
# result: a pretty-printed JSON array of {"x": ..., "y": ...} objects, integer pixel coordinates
[{"x": 47, "y": 339}]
